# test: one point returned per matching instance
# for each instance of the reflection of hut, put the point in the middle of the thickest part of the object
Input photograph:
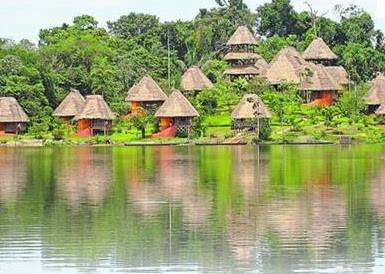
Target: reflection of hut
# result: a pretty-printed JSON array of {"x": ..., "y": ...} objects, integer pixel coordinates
[
  {"x": 339, "y": 74},
  {"x": 194, "y": 80},
  {"x": 85, "y": 176},
  {"x": 241, "y": 56},
  {"x": 95, "y": 117},
  {"x": 72, "y": 104},
  {"x": 13, "y": 174},
  {"x": 146, "y": 94},
  {"x": 376, "y": 95},
  {"x": 176, "y": 111},
  {"x": 319, "y": 87},
  {"x": 319, "y": 51},
  {"x": 248, "y": 110},
  {"x": 13, "y": 119},
  {"x": 288, "y": 66}
]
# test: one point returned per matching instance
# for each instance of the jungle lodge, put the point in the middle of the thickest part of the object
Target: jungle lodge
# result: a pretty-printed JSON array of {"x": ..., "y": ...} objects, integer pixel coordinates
[
  {"x": 376, "y": 95},
  {"x": 194, "y": 80},
  {"x": 176, "y": 112},
  {"x": 13, "y": 119},
  {"x": 247, "y": 112},
  {"x": 319, "y": 88},
  {"x": 72, "y": 104},
  {"x": 145, "y": 95},
  {"x": 95, "y": 117},
  {"x": 241, "y": 55}
]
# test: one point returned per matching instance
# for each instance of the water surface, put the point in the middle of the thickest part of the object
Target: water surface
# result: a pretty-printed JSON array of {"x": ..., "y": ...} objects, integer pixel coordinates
[{"x": 240, "y": 209}]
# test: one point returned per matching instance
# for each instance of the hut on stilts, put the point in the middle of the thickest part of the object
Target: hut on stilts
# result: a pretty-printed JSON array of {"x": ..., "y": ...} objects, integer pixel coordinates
[
  {"x": 13, "y": 119},
  {"x": 145, "y": 95},
  {"x": 176, "y": 113},
  {"x": 95, "y": 117},
  {"x": 250, "y": 113},
  {"x": 376, "y": 96},
  {"x": 194, "y": 80},
  {"x": 72, "y": 104},
  {"x": 241, "y": 57}
]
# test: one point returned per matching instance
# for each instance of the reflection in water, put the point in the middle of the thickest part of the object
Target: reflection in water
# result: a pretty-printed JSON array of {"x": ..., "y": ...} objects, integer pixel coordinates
[
  {"x": 84, "y": 175},
  {"x": 241, "y": 209},
  {"x": 12, "y": 174}
]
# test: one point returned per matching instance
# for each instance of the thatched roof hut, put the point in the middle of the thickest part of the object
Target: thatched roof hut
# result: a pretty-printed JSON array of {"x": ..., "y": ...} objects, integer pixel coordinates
[
  {"x": 195, "y": 80},
  {"x": 72, "y": 104},
  {"x": 377, "y": 91},
  {"x": 11, "y": 111},
  {"x": 287, "y": 66},
  {"x": 242, "y": 36},
  {"x": 339, "y": 74},
  {"x": 176, "y": 106},
  {"x": 147, "y": 90},
  {"x": 319, "y": 80},
  {"x": 234, "y": 56},
  {"x": 245, "y": 109},
  {"x": 319, "y": 50},
  {"x": 95, "y": 108}
]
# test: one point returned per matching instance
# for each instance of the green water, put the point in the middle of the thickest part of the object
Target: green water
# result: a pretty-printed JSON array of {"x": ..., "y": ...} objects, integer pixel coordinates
[{"x": 231, "y": 209}]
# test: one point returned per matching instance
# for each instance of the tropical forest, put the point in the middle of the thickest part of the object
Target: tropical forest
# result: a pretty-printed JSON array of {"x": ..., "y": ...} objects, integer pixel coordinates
[{"x": 237, "y": 59}]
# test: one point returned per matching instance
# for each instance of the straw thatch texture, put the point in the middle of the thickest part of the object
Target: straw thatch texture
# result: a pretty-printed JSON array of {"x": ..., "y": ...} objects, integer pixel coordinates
[
  {"x": 287, "y": 66},
  {"x": 195, "y": 80},
  {"x": 233, "y": 56},
  {"x": 339, "y": 74},
  {"x": 176, "y": 106},
  {"x": 380, "y": 110},
  {"x": 11, "y": 111},
  {"x": 245, "y": 109},
  {"x": 72, "y": 104},
  {"x": 318, "y": 50},
  {"x": 318, "y": 79},
  {"x": 377, "y": 91},
  {"x": 242, "y": 36},
  {"x": 147, "y": 90},
  {"x": 261, "y": 65},
  {"x": 95, "y": 108},
  {"x": 243, "y": 70}
]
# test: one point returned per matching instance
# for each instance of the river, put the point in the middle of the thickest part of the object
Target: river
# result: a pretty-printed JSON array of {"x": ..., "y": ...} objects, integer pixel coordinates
[{"x": 193, "y": 209}]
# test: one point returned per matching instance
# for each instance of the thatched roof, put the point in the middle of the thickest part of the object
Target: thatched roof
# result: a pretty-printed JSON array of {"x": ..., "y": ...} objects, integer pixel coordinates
[
  {"x": 287, "y": 66},
  {"x": 318, "y": 50},
  {"x": 380, "y": 110},
  {"x": 176, "y": 106},
  {"x": 95, "y": 108},
  {"x": 261, "y": 65},
  {"x": 231, "y": 56},
  {"x": 318, "y": 79},
  {"x": 195, "y": 80},
  {"x": 72, "y": 104},
  {"x": 242, "y": 36},
  {"x": 245, "y": 109},
  {"x": 243, "y": 70},
  {"x": 377, "y": 91},
  {"x": 11, "y": 111},
  {"x": 147, "y": 90},
  {"x": 339, "y": 74}
]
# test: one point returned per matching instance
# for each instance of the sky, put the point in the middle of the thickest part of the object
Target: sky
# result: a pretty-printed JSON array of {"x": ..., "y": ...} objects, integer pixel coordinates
[{"x": 24, "y": 18}]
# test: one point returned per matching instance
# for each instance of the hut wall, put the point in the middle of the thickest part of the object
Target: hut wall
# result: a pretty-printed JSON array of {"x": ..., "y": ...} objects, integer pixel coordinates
[
  {"x": 2, "y": 128},
  {"x": 13, "y": 128},
  {"x": 372, "y": 108},
  {"x": 136, "y": 107},
  {"x": 249, "y": 124},
  {"x": 165, "y": 123},
  {"x": 183, "y": 125},
  {"x": 84, "y": 124},
  {"x": 320, "y": 98}
]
